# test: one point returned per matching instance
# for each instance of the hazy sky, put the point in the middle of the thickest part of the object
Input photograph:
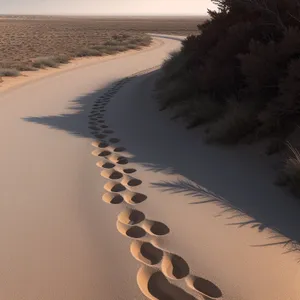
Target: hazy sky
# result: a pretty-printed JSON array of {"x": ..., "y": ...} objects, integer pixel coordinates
[{"x": 106, "y": 7}]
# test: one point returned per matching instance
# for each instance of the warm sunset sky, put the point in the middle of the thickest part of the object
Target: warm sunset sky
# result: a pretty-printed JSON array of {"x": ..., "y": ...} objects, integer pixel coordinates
[{"x": 106, "y": 7}]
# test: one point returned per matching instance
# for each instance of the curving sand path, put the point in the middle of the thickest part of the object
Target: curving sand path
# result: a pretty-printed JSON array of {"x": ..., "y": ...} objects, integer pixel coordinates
[{"x": 101, "y": 194}]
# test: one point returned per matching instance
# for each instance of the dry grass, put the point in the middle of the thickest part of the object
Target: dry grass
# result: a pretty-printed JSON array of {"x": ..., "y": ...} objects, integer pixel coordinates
[
  {"x": 32, "y": 42},
  {"x": 290, "y": 174},
  {"x": 9, "y": 72}
]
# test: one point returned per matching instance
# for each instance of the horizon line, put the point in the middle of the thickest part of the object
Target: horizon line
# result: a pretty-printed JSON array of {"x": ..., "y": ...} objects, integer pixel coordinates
[{"x": 99, "y": 15}]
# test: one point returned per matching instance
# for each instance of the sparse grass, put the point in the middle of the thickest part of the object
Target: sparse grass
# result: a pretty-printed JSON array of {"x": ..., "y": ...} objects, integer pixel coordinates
[
  {"x": 9, "y": 72},
  {"x": 88, "y": 52},
  {"x": 132, "y": 46},
  {"x": 62, "y": 59},
  {"x": 28, "y": 42},
  {"x": 23, "y": 67},
  {"x": 43, "y": 62},
  {"x": 291, "y": 171}
]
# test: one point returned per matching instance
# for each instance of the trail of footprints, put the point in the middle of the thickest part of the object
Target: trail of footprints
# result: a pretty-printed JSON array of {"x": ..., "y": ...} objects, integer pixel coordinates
[{"x": 159, "y": 267}]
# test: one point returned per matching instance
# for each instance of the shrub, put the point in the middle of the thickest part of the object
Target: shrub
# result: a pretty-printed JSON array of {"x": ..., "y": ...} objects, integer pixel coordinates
[
  {"x": 238, "y": 121},
  {"x": 133, "y": 46},
  {"x": 25, "y": 68},
  {"x": 117, "y": 48},
  {"x": 22, "y": 66},
  {"x": 249, "y": 51},
  {"x": 109, "y": 50},
  {"x": 9, "y": 72},
  {"x": 198, "y": 110},
  {"x": 62, "y": 58},
  {"x": 43, "y": 62},
  {"x": 176, "y": 92},
  {"x": 88, "y": 52},
  {"x": 112, "y": 43}
]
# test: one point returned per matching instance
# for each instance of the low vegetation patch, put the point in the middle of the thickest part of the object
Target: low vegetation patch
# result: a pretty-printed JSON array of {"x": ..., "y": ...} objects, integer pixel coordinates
[
  {"x": 9, "y": 72},
  {"x": 32, "y": 42},
  {"x": 28, "y": 44},
  {"x": 248, "y": 51}
]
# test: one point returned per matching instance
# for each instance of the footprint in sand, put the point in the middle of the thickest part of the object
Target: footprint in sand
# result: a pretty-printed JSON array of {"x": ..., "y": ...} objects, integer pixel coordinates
[
  {"x": 117, "y": 159},
  {"x": 100, "y": 136},
  {"x": 129, "y": 170},
  {"x": 204, "y": 287},
  {"x": 115, "y": 187},
  {"x": 133, "y": 224},
  {"x": 131, "y": 217},
  {"x": 133, "y": 198},
  {"x": 114, "y": 140},
  {"x": 100, "y": 144},
  {"x": 134, "y": 232},
  {"x": 119, "y": 149},
  {"x": 155, "y": 228},
  {"x": 105, "y": 164},
  {"x": 111, "y": 174},
  {"x": 103, "y": 153},
  {"x": 146, "y": 253},
  {"x": 174, "y": 267},
  {"x": 112, "y": 198},
  {"x": 154, "y": 285},
  {"x": 131, "y": 181}
]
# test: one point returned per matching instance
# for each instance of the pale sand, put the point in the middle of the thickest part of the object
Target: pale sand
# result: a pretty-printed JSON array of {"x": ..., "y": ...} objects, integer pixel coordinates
[
  {"x": 124, "y": 221},
  {"x": 58, "y": 238},
  {"x": 217, "y": 206}
]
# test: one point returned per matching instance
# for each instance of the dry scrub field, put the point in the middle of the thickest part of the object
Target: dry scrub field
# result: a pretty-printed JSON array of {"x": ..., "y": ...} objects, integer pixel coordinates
[{"x": 29, "y": 43}]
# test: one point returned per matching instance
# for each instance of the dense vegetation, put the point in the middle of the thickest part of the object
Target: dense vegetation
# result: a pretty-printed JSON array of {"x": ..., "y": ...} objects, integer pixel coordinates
[{"x": 240, "y": 74}]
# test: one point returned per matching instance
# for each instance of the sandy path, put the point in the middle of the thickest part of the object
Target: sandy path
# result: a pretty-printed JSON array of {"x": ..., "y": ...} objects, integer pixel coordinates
[
  {"x": 58, "y": 240},
  {"x": 225, "y": 218}
]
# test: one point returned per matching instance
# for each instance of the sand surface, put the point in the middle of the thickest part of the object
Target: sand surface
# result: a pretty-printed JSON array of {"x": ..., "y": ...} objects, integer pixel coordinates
[{"x": 158, "y": 215}]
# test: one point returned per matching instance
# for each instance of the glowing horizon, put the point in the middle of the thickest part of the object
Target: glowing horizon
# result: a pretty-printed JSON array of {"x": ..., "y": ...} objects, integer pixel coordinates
[{"x": 107, "y": 7}]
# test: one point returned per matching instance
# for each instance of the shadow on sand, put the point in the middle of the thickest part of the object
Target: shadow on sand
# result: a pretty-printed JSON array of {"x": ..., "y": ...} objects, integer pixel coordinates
[{"x": 241, "y": 183}]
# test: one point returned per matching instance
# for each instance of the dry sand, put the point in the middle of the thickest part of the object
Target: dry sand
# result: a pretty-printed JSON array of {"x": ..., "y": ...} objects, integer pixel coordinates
[
  {"x": 150, "y": 213},
  {"x": 233, "y": 229}
]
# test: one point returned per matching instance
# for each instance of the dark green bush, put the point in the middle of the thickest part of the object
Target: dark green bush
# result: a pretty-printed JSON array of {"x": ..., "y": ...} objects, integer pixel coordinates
[
  {"x": 249, "y": 52},
  {"x": 244, "y": 51}
]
